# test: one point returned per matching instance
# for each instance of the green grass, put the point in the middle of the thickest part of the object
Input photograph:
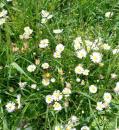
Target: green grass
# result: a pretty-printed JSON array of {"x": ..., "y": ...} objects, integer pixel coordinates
[{"x": 85, "y": 18}]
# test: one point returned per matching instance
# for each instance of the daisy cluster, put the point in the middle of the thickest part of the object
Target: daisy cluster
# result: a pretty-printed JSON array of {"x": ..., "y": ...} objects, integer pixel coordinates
[
  {"x": 60, "y": 85},
  {"x": 57, "y": 96}
]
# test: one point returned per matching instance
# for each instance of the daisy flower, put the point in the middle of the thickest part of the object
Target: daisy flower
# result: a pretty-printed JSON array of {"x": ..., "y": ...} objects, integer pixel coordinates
[
  {"x": 57, "y": 95},
  {"x": 33, "y": 86},
  {"x": 57, "y": 106},
  {"x": 79, "y": 69},
  {"x": 22, "y": 85},
  {"x": 99, "y": 106},
  {"x": 45, "y": 81},
  {"x": 3, "y": 13},
  {"x": 93, "y": 89},
  {"x": 66, "y": 91},
  {"x": 45, "y": 65},
  {"x": 107, "y": 97},
  {"x": 31, "y": 68},
  {"x": 49, "y": 99},
  {"x": 77, "y": 43},
  {"x": 96, "y": 57},
  {"x": 85, "y": 128},
  {"x": 10, "y": 106},
  {"x": 81, "y": 53},
  {"x": 57, "y": 55},
  {"x": 59, "y": 48},
  {"x": 44, "y": 43}
]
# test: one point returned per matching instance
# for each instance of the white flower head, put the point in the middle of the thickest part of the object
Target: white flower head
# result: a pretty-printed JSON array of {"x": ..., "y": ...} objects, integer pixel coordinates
[
  {"x": 77, "y": 43},
  {"x": 116, "y": 89},
  {"x": 2, "y": 21},
  {"x": 3, "y": 13},
  {"x": 45, "y": 66},
  {"x": 57, "y": 106},
  {"x": 33, "y": 86},
  {"x": 44, "y": 43},
  {"x": 93, "y": 89},
  {"x": 78, "y": 79},
  {"x": 22, "y": 85},
  {"x": 109, "y": 14},
  {"x": 115, "y": 51},
  {"x": 58, "y": 31},
  {"x": 113, "y": 76},
  {"x": 107, "y": 97},
  {"x": 49, "y": 99},
  {"x": 74, "y": 119},
  {"x": 57, "y": 95},
  {"x": 96, "y": 57},
  {"x": 45, "y": 81},
  {"x": 59, "y": 48},
  {"x": 85, "y": 128},
  {"x": 81, "y": 53},
  {"x": 57, "y": 54},
  {"x": 43, "y": 20},
  {"x": 52, "y": 80},
  {"x": 99, "y": 106},
  {"x": 46, "y": 14},
  {"x": 79, "y": 69},
  {"x": 105, "y": 46},
  {"x": 66, "y": 91},
  {"x": 31, "y": 68},
  {"x": 58, "y": 127},
  {"x": 10, "y": 106},
  {"x": 28, "y": 31},
  {"x": 86, "y": 72}
]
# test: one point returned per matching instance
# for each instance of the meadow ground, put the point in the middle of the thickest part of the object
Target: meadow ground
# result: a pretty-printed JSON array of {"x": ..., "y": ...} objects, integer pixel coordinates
[{"x": 59, "y": 65}]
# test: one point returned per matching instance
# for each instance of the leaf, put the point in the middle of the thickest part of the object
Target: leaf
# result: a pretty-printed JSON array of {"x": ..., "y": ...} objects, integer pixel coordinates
[{"x": 19, "y": 69}]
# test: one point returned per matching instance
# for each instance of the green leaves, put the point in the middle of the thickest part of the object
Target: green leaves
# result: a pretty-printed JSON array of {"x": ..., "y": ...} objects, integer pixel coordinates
[{"x": 21, "y": 71}]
